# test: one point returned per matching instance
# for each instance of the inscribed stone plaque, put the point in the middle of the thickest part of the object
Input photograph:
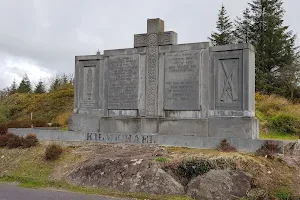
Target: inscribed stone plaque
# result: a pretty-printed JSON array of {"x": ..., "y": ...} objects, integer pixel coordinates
[
  {"x": 182, "y": 81},
  {"x": 88, "y": 98},
  {"x": 123, "y": 82},
  {"x": 229, "y": 80}
]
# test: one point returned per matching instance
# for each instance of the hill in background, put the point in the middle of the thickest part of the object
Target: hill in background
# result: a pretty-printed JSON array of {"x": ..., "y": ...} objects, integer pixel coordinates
[{"x": 279, "y": 118}]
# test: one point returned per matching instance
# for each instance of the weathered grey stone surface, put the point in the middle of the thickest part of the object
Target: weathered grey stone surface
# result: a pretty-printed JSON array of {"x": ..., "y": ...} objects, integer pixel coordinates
[
  {"x": 232, "y": 86},
  {"x": 245, "y": 145},
  {"x": 220, "y": 184},
  {"x": 191, "y": 127},
  {"x": 123, "y": 82},
  {"x": 84, "y": 123},
  {"x": 182, "y": 81},
  {"x": 234, "y": 127},
  {"x": 126, "y": 174}
]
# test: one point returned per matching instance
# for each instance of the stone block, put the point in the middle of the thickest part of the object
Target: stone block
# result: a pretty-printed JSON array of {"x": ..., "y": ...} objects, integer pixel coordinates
[
  {"x": 84, "y": 123},
  {"x": 233, "y": 127},
  {"x": 192, "y": 127},
  {"x": 120, "y": 125}
]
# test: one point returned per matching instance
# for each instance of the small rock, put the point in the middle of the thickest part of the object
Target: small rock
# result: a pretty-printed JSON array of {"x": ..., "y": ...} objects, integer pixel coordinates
[
  {"x": 257, "y": 194},
  {"x": 220, "y": 184}
]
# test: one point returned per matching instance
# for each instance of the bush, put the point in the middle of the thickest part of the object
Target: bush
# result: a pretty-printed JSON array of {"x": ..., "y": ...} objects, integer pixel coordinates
[
  {"x": 4, "y": 140},
  {"x": 226, "y": 147},
  {"x": 19, "y": 124},
  {"x": 268, "y": 148},
  {"x": 29, "y": 141},
  {"x": 3, "y": 128},
  {"x": 53, "y": 152},
  {"x": 39, "y": 123},
  {"x": 55, "y": 125},
  {"x": 14, "y": 141},
  {"x": 285, "y": 124},
  {"x": 194, "y": 167}
]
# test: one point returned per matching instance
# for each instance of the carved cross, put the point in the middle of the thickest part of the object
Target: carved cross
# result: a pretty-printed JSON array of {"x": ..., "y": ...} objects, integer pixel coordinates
[
  {"x": 228, "y": 89},
  {"x": 154, "y": 38}
]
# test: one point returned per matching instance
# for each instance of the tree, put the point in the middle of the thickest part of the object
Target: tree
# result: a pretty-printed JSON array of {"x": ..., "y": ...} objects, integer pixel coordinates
[
  {"x": 262, "y": 25},
  {"x": 242, "y": 26},
  {"x": 40, "y": 87},
  {"x": 224, "y": 34},
  {"x": 25, "y": 85},
  {"x": 13, "y": 87}
]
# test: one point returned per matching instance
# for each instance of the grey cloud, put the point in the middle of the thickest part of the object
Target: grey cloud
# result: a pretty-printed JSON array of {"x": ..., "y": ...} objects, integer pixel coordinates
[{"x": 52, "y": 32}]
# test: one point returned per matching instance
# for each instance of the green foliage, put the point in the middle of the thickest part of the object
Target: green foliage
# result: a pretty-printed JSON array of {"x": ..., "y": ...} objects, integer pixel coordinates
[
  {"x": 13, "y": 87},
  {"x": 40, "y": 87},
  {"x": 61, "y": 82},
  {"x": 282, "y": 194},
  {"x": 162, "y": 159},
  {"x": 53, "y": 152},
  {"x": 276, "y": 60},
  {"x": 243, "y": 27},
  {"x": 224, "y": 28},
  {"x": 25, "y": 85},
  {"x": 285, "y": 123},
  {"x": 190, "y": 168}
]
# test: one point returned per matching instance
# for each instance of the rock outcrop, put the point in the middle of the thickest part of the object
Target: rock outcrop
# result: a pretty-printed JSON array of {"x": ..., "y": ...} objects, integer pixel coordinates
[{"x": 220, "y": 184}]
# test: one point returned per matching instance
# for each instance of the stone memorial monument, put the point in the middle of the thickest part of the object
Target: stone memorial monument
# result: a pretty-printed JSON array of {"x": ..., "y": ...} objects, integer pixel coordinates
[{"x": 161, "y": 92}]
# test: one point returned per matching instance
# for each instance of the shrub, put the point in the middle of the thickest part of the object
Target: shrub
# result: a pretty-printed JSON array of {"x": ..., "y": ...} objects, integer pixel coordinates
[
  {"x": 19, "y": 124},
  {"x": 3, "y": 128},
  {"x": 14, "y": 141},
  {"x": 226, "y": 147},
  {"x": 55, "y": 125},
  {"x": 4, "y": 139},
  {"x": 194, "y": 167},
  {"x": 268, "y": 148},
  {"x": 29, "y": 141},
  {"x": 53, "y": 152},
  {"x": 285, "y": 124},
  {"x": 39, "y": 123}
]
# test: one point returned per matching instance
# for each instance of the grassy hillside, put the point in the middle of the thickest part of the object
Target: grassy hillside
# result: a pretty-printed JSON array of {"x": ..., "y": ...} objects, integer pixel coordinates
[
  {"x": 279, "y": 118},
  {"x": 52, "y": 107}
]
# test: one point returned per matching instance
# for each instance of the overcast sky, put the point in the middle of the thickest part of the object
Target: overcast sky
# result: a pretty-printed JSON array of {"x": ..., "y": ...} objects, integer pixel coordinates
[{"x": 42, "y": 37}]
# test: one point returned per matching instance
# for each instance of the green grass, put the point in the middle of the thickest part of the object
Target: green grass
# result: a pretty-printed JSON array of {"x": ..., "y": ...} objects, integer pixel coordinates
[
  {"x": 162, "y": 159},
  {"x": 278, "y": 136},
  {"x": 29, "y": 169}
]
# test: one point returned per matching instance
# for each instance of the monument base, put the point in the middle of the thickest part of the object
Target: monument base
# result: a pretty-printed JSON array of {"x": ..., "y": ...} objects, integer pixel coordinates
[
  {"x": 190, "y": 141},
  {"x": 229, "y": 127}
]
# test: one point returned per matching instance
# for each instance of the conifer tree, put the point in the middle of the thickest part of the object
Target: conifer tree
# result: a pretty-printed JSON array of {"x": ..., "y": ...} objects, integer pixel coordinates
[
  {"x": 276, "y": 56},
  {"x": 13, "y": 87},
  {"x": 224, "y": 34},
  {"x": 40, "y": 87},
  {"x": 242, "y": 32},
  {"x": 25, "y": 85}
]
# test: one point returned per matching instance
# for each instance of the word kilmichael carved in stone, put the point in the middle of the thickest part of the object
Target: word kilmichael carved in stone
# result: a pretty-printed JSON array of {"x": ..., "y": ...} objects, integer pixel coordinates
[{"x": 175, "y": 94}]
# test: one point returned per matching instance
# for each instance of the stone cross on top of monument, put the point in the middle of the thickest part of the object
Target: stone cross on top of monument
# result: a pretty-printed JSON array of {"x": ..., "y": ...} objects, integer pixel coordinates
[{"x": 155, "y": 35}]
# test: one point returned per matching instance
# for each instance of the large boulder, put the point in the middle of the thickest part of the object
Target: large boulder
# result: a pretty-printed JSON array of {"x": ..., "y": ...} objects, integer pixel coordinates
[
  {"x": 125, "y": 174},
  {"x": 220, "y": 184}
]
